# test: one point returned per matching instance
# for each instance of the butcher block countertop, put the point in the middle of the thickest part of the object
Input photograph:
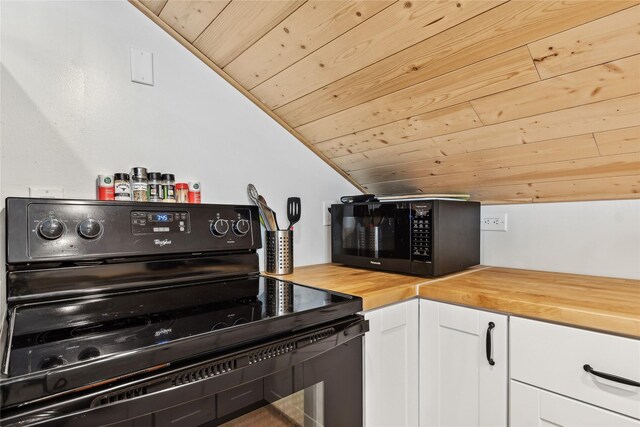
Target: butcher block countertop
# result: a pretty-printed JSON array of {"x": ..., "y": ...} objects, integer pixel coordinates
[
  {"x": 376, "y": 288},
  {"x": 599, "y": 303}
]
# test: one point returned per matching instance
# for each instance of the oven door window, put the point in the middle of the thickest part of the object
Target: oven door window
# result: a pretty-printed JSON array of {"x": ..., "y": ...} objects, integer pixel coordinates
[
  {"x": 304, "y": 408},
  {"x": 374, "y": 231}
]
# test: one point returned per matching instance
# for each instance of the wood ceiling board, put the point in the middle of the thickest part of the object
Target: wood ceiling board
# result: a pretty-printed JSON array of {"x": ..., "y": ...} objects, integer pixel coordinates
[
  {"x": 598, "y": 83},
  {"x": 571, "y": 148},
  {"x": 190, "y": 18},
  {"x": 598, "y": 117},
  {"x": 498, "y": 30},
  {"x": 240, "y": 25},
  {"x": 447, "y": 120},
  {"x": 401, "y": 153},
  {"x": 602, "y": 40},
  {"x": 154, "y": 6},
  {"x": 310, "y": 27},
  {"x": 508, "y": 70},
  {"x": 624, "y": 187},
  {"x": 619, "y": 141},
  {"x": 395, "y": 28},
  {"x": 594, "y": 167}
]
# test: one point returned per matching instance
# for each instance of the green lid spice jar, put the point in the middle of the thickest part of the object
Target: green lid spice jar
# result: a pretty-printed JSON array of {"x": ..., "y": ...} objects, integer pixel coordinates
[
  {"x": 155, "y": 187},
  {"x": 169, "y": 187}
]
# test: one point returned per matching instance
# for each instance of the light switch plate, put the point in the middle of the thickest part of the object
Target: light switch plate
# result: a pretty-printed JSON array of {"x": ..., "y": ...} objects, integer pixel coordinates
[{"x": 141, "y": 66}]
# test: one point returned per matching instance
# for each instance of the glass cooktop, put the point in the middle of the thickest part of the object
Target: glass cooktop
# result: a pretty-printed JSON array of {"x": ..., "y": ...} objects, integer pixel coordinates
[{"x": 48, "y": 335}]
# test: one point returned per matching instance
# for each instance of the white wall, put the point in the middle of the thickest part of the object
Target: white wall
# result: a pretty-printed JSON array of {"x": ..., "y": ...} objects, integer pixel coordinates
[
  {"x": 70, "y": 112},
  {"x": 598, "y": 238}
]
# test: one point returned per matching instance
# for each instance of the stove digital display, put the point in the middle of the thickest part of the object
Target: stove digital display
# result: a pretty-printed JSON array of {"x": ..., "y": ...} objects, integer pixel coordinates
[{"x": 162, "y": 217}]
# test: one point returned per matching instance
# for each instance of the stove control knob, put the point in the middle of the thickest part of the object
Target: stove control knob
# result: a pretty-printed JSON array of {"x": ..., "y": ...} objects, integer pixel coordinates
[
  {"x": 50, "y": 229},
  {"x": 89, "y": 229},
  {"x": 241, "y": 227},
  {"x": 219, "y": 228}
]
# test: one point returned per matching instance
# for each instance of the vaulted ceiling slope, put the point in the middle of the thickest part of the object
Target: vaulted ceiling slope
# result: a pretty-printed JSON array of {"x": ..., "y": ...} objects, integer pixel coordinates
[{"x": 510, "y": 101}]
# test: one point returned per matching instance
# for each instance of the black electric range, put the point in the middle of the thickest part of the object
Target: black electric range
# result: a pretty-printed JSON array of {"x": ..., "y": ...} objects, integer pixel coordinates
[{"x": 102, "y": 296}]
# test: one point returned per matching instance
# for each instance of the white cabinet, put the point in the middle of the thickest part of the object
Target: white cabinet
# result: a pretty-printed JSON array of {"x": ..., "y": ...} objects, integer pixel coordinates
[
  {"x": 459, "y": 386},
  {"x": 391, "y": 366},
  {"x": 554, "y": 357},
  {"x": 533, "y": 407}
]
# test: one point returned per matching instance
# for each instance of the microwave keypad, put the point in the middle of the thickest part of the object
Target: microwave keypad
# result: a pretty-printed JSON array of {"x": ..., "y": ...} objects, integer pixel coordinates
[{"x": 421, "y": 235}]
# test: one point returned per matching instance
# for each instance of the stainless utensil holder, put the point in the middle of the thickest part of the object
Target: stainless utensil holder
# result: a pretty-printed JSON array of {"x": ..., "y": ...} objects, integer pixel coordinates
[{"x": 279, "y": 252}]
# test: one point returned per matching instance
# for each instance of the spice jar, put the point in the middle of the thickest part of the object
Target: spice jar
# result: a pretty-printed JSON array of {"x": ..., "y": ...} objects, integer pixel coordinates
[
  {"x": 139, "y": 184},
  {"x": 182, "y": 192},
  {"x": 122, "y": 186},
  {"x": 169, "y": 187},
  {"x": 105, "y": 187},
  {"x": 194, "y": 192},
  {"x": 155, "y": 187}
]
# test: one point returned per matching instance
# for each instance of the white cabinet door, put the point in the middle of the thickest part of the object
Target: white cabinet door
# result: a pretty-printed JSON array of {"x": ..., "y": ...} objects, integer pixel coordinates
[
  {"x": 391, "y": 365},
  {"x": 533, "y": 407},
  {"x": 459, "y": 386}
]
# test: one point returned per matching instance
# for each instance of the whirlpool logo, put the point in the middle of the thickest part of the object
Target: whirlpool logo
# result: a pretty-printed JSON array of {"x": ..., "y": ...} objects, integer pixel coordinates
[
  {"x": 162, "y": 243},
  {"x": 162, "y": 331}
]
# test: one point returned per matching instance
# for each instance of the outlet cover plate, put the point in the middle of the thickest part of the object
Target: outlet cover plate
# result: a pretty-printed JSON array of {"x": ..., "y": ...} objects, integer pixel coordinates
[
  {"x": 46, "y": 192},
  {"x": 326, "y": 215},
  {"x": 141, "y": 67},
  {"x": 494, "y": 222}
]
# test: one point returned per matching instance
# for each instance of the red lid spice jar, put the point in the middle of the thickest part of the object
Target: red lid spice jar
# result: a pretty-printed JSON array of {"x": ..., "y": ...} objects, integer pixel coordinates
[{"x": 182, "y": 191}]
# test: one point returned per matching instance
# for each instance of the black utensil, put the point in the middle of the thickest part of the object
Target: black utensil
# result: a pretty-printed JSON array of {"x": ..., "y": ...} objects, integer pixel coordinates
[{"x": 293, "y": 210}]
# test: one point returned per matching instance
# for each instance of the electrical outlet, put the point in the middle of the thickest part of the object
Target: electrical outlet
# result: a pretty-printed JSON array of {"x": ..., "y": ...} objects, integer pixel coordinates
[
  {"x": 326, "y": 215},
  {"x": 494, "y": 222},
  {"x": 49, "y": 193}
]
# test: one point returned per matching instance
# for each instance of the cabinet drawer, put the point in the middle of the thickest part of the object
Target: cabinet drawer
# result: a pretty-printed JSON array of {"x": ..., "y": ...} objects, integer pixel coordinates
[
  {"x": 553, "y": 357},
  {"x": 531, "y": 406}
]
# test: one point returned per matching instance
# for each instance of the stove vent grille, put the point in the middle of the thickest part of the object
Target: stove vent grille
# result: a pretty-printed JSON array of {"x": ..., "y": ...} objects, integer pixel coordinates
[
  {"x": 128, "y": 393},
  {"x": 320, "y": 335},
  {"x": 216, "y": 368},
  {"x": 272, "y": 351},
  {"x": 204, "y": 372}
]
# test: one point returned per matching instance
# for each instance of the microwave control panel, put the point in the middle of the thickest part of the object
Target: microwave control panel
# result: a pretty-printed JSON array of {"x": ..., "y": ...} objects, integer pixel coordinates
[{"x": 421, "y": 231}]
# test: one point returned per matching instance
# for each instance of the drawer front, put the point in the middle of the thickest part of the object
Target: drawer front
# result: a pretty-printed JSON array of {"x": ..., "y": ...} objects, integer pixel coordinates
[
  {"x": 531, "y": 406},
  {"x": 552, "y": 357}
]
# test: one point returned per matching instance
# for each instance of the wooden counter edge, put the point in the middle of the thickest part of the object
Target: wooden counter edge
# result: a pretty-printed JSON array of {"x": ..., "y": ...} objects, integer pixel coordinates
[{"x": 549, "y": 312}]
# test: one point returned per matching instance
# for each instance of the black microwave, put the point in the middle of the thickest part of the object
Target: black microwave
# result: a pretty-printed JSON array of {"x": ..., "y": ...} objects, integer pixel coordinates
[{"x": 426, "y": 238}]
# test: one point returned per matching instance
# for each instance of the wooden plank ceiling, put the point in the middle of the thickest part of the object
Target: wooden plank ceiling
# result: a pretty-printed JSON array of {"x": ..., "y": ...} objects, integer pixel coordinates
[{"x": 510, "y": 101}]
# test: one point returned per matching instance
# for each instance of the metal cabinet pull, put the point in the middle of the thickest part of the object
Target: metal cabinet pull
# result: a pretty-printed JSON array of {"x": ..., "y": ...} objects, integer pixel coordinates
[
  {"x": 489, "y": 346},
  {"x": 610, "y": 377}
]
